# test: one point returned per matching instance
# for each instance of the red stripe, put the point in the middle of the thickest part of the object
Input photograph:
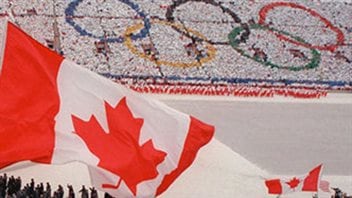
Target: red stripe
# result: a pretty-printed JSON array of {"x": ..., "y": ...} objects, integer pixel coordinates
[
  {"x": 310, "y": 183},
  {"x": 274, "y": 186},
  {"x": 28, "y": 99},
  {"x": 199, "y": 134}
]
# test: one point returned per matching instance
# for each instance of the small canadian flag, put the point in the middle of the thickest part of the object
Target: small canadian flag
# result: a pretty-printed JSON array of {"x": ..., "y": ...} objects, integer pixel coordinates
[{"x": 310, "y": 182}]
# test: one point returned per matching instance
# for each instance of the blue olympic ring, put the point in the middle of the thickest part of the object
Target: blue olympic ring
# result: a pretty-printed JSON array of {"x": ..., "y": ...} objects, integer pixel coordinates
[{"x": 69, "y": 12}]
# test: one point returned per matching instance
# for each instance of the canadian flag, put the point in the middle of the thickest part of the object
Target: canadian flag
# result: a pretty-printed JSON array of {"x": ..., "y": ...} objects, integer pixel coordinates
[
  {"x": 310, "y": 182},
  {"x": 53, "y": 111}
]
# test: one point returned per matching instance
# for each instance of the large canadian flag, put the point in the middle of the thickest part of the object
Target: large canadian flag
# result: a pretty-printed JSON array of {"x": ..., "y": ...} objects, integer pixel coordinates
[{"x": 53, "y": 111}]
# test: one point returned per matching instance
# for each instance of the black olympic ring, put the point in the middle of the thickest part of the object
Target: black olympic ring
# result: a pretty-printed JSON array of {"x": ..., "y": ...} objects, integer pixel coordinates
[
  {"x": 69, "y": 12},
  {"x": 243, "y": 37}
]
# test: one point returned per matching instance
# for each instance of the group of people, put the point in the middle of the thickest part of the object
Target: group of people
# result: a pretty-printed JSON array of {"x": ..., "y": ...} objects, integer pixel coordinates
[
  {"x": 95, "y": 21},
  {"x": 337, "y": 193},
  {"x": 340, "y": 194},
  {"x": 11, "y": 187}
]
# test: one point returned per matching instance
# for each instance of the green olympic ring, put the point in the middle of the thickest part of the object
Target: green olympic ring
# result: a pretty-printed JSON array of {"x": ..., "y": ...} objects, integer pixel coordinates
[{"x": 314, "y": 61}]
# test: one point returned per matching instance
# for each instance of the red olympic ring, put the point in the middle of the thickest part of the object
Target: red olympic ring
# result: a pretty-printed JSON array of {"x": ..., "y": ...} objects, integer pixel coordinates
[{"x": 332, "y": 47}]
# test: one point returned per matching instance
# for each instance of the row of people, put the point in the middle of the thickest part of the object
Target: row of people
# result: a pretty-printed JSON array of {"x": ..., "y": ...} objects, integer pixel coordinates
[{"x": 11, "y": 187}]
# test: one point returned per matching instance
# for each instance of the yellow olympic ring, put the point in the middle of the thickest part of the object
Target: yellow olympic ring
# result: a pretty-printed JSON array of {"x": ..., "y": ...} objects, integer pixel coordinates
[{"x": 211, "y": 51}]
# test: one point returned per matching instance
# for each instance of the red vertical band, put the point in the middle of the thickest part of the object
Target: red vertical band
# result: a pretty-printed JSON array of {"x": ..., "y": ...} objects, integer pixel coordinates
[
  {"x": 199, "y": 134},
  {"x": 29, "y": 99}
]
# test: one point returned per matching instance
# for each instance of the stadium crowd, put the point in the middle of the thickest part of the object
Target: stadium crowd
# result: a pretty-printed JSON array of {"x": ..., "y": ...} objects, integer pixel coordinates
[{"x": 197, "y": 51}]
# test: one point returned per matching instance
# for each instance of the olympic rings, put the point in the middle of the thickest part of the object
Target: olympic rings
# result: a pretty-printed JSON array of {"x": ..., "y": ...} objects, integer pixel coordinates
[
  {"x": 69, "y": 12},
  {"x": 211, "y": 51},
  {"x": 314, "y": 62},
  {"x": 170, "y": 17},
  {"x": 339, "y": 34},
  {"x": 241, "y": 33}
]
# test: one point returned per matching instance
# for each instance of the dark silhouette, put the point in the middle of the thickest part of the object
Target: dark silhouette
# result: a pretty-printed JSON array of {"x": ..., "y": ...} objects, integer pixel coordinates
[{"x": 84, "y": 192}]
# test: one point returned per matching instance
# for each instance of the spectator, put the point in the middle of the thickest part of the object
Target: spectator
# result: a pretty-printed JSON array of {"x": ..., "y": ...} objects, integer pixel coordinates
[
  {"x": 84, "y": 192},
  {"x": 107, "y": 195},
  {"x": 47, "y": 193},
  {"x": 60, "y": 192},
  {"x": 93, "y": 193},
  {"x": 71, "y": 193}
]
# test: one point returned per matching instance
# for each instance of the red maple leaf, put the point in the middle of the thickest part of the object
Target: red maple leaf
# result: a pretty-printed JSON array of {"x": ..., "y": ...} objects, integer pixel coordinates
[
  {"x": 119, "y": 151},
  {"x": 293, "y": 183}
]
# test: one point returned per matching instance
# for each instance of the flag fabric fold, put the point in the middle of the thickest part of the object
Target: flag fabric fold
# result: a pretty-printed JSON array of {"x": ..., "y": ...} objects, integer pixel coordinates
[{"x": 54, "y": 111}]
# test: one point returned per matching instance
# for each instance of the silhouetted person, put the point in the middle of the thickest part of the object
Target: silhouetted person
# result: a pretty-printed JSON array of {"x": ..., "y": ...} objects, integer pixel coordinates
[
  {"x": 84, "y": 192},
  {"x": 338, "y": 193},
  {"x": 3, "y": 185},
  {"x": 41, "y": 189},
  {"x": 37, "y": 191},
  {"x": 93, "y": 193},
  {"x": 107, "y": 195},
  {"x": 71, "y": 193},
  {"x": 60, "y": 192},
  {"x": 11, "y": 186},
  {"x": 47, "y": 193},
  {"x": 31, "y": 187}
]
